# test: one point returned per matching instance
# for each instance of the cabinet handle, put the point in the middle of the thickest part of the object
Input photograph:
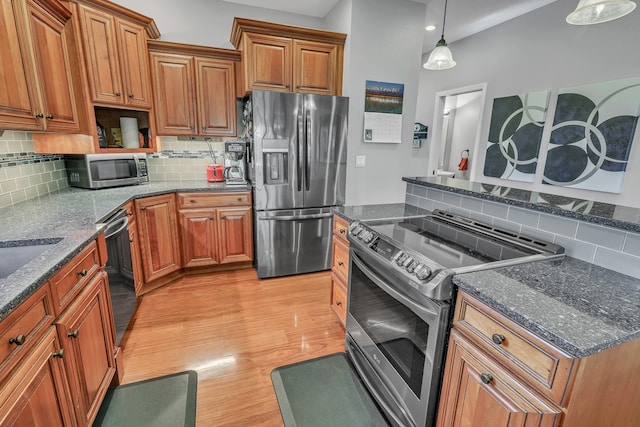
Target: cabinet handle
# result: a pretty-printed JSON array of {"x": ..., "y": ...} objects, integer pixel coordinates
[
  {"x": 49, "y": 116},
  {"x": 131, "y": 95},
  {"x": 204, "y": 128},
  {"x": 193, "y": 128},
  {"x": 39, "y": 116},
  {"x": 340, "y": 263},
  {"x": 129, "y": 213},
  {"x": 298, "y": 87},
  {"x": 130, "y": 240},
  {"x": 338, "y": 303},
  {"x": 486, "y": 378},
  {"x": 286, "y": 86},
  {"x": 342, "y": 231},
  {"x": 59, "y": 354},
  {"x": 117, "y": 94},
  {"x": 192, "y": 201},
  {"x": 73, "y": 334},
  {"x": 239, "y": 199},
  {"x": 210, "y": 219},
  {"x": 82, "y": 272},
  {"x": 19, "y": 340},
  {"x": 143, "y": 208},
  {"x": 498, "y": 338}
]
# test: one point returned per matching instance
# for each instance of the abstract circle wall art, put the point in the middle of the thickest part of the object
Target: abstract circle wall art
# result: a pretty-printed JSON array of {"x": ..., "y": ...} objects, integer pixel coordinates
[
  {"x": 593, "y": 129},
  {"x": 515, "y": 133}
]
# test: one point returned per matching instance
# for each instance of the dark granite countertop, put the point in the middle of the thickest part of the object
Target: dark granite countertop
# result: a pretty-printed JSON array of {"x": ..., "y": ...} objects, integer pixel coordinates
[
  {"x": 579, "y": 307},
  {"x": 371, "y": 212},
  {"x": 621, "y": 217},
  {"x": 74, "y": 215}
]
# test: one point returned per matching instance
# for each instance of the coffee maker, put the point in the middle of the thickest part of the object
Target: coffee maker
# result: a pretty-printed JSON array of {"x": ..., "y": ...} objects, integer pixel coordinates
[{"x": 235, "y": 163}]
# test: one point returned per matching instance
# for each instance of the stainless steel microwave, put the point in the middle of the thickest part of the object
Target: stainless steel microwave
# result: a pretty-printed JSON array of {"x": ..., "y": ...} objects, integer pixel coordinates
[{"x": 106, "y": 170}]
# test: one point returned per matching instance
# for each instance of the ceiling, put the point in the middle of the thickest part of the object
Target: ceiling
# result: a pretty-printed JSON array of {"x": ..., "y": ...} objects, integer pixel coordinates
[{"x": 464, "y": 17}]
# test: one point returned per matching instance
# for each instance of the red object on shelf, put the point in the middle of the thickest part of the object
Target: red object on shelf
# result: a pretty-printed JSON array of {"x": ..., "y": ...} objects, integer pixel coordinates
[{"x": 215, "y": 173}]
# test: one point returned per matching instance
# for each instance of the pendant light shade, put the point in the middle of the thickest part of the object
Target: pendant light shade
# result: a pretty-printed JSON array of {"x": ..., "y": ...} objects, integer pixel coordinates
[
  {"x": 440, "y": 57},
  {"x": 596, "y": 11}
]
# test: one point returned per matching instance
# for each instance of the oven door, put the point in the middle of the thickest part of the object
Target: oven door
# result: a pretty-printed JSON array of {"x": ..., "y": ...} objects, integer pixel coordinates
[{"x": 395, "y": 339}]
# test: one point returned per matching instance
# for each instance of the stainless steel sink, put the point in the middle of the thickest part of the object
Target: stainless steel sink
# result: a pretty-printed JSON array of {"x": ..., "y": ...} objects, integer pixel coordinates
[{"x": 15, "y": 254}]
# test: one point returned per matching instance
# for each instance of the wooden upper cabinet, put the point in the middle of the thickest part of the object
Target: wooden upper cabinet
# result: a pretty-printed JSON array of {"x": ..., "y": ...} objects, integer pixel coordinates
[
  {"x": 194, "y": 89},
  {"x": 42, "y": 97},
  {"x": 316, "y": 67},
  {"x": 174, "y": 94},
  {"x": 216, "y": 97},
  {"x": 115, "y": 55},
  {"x": 289, "y": 58},
  {"x": 268, "y": 62}
]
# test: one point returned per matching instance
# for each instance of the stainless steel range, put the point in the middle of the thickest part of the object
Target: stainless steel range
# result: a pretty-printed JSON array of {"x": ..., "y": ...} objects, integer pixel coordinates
[{"x": 401, "y": 296}]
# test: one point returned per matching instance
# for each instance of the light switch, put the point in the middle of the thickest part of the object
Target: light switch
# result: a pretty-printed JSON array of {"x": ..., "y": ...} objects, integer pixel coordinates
[{"x": 360, "y": 160}]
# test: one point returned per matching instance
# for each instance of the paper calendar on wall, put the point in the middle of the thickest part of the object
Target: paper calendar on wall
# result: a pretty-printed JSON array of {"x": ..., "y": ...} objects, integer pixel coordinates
[{"x": 383, "y": 112}]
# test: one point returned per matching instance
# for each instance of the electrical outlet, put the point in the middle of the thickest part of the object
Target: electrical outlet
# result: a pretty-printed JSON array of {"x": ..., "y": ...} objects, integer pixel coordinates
[{"x": 360, "y": 161}]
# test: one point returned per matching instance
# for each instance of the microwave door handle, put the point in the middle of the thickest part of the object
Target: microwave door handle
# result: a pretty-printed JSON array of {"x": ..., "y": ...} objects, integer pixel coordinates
[{"x": 299, "y": 154}]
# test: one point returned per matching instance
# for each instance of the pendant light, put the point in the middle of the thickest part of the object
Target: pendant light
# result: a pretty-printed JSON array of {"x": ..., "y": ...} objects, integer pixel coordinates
[
  {"x": 596, "y": 11},
  {"x": 441, "y": 58}
]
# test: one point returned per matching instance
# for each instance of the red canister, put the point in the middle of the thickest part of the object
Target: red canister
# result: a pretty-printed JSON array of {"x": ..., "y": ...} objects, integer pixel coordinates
[{"x": 215, "y": 173}]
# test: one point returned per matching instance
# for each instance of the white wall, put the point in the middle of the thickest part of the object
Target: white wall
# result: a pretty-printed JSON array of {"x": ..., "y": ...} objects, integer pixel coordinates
[
  {"x": 386, "y": 45},
  {"x": 540, "y": 51}
]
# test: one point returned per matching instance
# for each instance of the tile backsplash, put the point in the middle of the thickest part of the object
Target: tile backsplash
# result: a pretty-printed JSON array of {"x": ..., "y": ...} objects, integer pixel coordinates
[
  {"x": 604, "y": 246},
  {"x": 183, "y": 159},
  {"x": 25, "y": 174}
]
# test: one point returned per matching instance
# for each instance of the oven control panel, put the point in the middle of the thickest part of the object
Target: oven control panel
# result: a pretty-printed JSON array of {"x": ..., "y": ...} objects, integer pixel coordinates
[{"x": 396, "y": 258}]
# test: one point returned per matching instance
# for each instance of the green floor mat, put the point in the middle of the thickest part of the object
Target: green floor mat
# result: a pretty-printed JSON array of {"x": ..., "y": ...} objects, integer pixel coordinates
[
  {"x": 165, "y": 401},
  {"x": 324, "y": 392}
]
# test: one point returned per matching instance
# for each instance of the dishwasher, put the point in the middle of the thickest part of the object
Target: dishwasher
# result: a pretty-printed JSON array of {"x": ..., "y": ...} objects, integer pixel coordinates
[{"x": 120, "y": 270}]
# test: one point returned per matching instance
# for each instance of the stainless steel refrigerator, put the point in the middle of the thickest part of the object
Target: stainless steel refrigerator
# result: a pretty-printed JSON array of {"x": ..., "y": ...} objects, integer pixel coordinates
[{"x": 297, "y": 162}]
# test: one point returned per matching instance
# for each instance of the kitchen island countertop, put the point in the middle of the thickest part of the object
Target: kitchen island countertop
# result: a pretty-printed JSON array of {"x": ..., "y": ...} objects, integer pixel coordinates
[
  {"x": 75, "y": 215},
  {"x": 381, "y": 211}
]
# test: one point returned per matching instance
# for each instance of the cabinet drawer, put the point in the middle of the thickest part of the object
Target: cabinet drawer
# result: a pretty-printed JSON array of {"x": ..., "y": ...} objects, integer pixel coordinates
[
  {"x": 537, "y": 362},
  {"x": 203, "y": 200},
  {"x": 340, "y": 263},
  {"x": 22, "y": 328},
  {"x": 70, "y": 280},
  {"x": 339, "y": 298},
  {"x": 340, "y": 227}
]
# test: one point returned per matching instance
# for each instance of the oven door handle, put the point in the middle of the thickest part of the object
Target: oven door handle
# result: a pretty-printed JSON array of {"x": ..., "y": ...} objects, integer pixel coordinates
[
  {"x": 415, "y": 307},
  {"x": 119, "y": 225}
]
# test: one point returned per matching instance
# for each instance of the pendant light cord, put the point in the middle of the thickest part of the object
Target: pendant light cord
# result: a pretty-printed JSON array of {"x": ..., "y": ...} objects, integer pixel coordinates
[{"x": 444, "y": 18}]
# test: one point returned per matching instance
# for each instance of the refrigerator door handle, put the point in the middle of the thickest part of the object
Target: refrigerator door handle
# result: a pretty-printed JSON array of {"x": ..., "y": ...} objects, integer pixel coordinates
[
  {"x": 295, "y": 217},
  {"x": 307, "y": 140},
  {"x": 299, "y": 153}
]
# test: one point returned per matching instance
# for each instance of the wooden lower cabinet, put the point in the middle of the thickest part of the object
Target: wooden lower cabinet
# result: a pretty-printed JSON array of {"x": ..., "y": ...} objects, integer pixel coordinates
[
  {"x": 86, "y": 330},
  {"x": 37, "y": 394},
  {"x": 158, "y": 232},
  {"x": 216, "y": 228},
  {"x": 479, "y": 392},
  {"x": 340, "y": 269}
]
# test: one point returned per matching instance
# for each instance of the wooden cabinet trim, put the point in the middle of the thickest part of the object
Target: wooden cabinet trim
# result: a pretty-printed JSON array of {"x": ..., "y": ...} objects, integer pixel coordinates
[
  {"x": 146, "y": 22},
  {"x": 243, "y": 25},
  {"x": 194, "y": 50}
]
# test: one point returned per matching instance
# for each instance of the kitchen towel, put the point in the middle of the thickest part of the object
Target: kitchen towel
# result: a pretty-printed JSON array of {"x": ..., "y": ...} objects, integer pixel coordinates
[{"x": 129, "y": 126}]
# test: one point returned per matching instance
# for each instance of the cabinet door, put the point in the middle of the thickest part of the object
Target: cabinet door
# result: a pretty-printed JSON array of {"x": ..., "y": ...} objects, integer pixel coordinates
[
  {"x": 101, "y": 55},
  {"x": 216, "y": 97},
  {"x": 199, "y": 237},
  {"x": 37, "y": 394},
  {"x": 53, "y": 70},
  {"x": 159, "y": 245},
  {"x": 17, "y": 101},
  {"x": 86, "y": 331},
  {"x": 134, "y": 63},
  {"x": 174, "y": 94},
  {"x": 476, "y": 391},
  {"x": 315, "y": 67},
  {"x": 268, "y": 61},
  {"x": 236, "y": 240}
]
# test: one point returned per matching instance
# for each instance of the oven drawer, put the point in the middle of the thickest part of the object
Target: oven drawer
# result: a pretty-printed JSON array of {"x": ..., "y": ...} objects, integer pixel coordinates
[
  {"x": 340, "y": 263},
  {"x": 541, "y": 365}
]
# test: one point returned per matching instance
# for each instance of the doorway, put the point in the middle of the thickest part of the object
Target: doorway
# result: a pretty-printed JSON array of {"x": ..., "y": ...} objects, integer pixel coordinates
[{"x": 457, "y": 123}]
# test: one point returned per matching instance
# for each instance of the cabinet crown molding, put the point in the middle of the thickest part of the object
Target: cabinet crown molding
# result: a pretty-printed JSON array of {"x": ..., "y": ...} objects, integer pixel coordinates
[
  {"x": 148, "y": 23},
  {"x": 195, "y": 50},
  {"x": 244, "y": 25},
  {"x": 55, "y": 9}
]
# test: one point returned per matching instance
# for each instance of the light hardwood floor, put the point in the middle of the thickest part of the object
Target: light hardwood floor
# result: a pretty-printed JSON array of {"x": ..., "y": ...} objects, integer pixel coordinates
[{"x": 233, "y": 329}]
